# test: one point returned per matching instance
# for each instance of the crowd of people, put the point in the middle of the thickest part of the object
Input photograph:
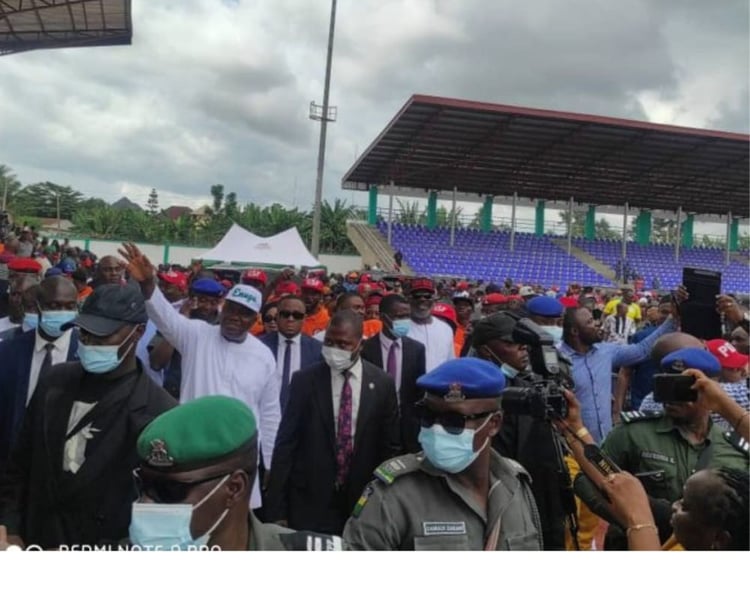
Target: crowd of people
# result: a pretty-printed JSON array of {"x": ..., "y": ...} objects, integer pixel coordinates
[{"x": 180, "y": 407}]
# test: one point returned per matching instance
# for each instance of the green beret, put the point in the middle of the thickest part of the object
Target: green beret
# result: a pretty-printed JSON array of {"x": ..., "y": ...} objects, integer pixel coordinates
[{"x": 196, "y": 434}]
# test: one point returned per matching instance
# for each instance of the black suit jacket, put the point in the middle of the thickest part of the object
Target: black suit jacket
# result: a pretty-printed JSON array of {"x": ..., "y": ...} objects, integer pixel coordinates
[
  {"x": 303, "y": 473},
  {"x": 15, "y": 368},
  {"x": 310, "y": 353},
  {"x": 49, "y": 507},
  {"x": 412, "y": 367}
]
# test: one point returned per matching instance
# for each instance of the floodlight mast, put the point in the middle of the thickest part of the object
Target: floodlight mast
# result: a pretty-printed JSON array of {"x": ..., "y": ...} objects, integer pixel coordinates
[{"x": 322, "y": 114}]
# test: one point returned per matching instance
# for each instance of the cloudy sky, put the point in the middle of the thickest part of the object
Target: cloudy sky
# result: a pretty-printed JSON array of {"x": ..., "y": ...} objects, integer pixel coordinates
[{"x": 219, "y": 92}]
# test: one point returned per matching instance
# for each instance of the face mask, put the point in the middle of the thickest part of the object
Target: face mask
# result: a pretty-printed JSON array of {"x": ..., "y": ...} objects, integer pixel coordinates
[
  {"x": 101, "y": 359},
  {"x": 30, "y": 322},
  {"x": 337, "y": 359},
  {"x": 555, "y": 331},
  {"x": 167, "y": 526},
  {"x": 52, "y": 320},
  {"x": 509, "y": 371},
  {"x": 448, "y": 451},
  {"x": 401, "y": 327}
]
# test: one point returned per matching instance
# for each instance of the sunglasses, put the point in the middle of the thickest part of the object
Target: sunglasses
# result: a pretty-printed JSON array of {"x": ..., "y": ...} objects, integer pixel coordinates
[
  {"x": 166, "y": 491},
  {"x": 452, "y": 422},
  {"x": 421, "y": 296},
  {"x": 269, "y": 318},
  {"x": 291, "y": 314}
]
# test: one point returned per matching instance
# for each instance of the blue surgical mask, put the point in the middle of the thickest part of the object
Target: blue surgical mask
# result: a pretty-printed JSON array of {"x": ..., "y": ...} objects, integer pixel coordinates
[
  {"x": 509, "y": 371},
  {"x": 51, "y": 321},
  {"x": 555, "y": 331},
  {"x": 102, "y": 359},
  {"x": 30, "y": 322},
  {"x": 401, "y": 327},
  {"x": 451, "y": 452},
  {"x": 167, "y": 526}
]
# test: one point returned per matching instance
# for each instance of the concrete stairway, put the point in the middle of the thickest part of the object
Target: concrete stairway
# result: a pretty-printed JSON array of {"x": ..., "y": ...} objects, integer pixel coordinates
[
  {"x": 586, "y": 259},
  {"x": 372, "y": 246}
]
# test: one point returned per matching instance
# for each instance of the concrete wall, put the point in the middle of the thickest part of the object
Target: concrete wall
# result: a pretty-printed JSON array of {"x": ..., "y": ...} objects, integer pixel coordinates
[{"x": 182, "y": 255}]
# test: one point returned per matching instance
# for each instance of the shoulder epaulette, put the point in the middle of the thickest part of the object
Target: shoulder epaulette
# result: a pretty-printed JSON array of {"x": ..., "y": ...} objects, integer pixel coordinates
[
  {"x": 394, "y": 468},
  {"x": 737, "y": 441},
  {"x": 308, "y": 541},
  {"x": 633, "y": 416}
]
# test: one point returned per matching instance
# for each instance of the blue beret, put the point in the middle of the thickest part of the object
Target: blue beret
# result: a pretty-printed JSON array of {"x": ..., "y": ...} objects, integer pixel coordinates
[
  {"x": 544, "y": 306},
  {"x": 53, "y": 272},
  {"x": 467, "y": 377},
  {"x": 691, "y": 358},
  {"x": 208, "y": 287}
]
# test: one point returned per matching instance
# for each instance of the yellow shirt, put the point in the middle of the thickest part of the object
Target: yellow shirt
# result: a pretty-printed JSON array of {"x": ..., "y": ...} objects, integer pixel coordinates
[
  {"x": 672, "y": 544},
  {"x": 634, "y": 310}
]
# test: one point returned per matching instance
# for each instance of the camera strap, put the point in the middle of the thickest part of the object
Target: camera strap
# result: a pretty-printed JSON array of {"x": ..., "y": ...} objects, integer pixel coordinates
[{"x": 705, "y": 456}]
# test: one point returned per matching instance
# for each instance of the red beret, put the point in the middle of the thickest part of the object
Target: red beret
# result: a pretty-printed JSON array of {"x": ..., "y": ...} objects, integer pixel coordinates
[
  {"x": 314, "y": 285},
  {"x": 569, "y": 301},
  {"x": 287, "y": 288},
  {"x": 373, "y": 300},
  {"x": 495, "y": 298},
  {"x": 24, "y": 265},
  {"x": 179, "y": 280}
]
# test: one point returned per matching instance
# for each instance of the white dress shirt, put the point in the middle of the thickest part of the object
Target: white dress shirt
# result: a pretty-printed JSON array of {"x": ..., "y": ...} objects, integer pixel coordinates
[
  {"x": 385, "y": 348},
  {"x": 337, "y": 384},
  {"x": 59, "y": 355},
  {"x": 212, "y": 365},
  {"x": 74, "y": 453},
  {"x": 295, "y": 362},
  {"x": 437, "y": 338}
]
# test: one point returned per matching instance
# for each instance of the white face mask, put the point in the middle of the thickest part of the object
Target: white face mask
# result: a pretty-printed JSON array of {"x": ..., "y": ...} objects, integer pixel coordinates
[
  {"x": 555, "y": 331},
  {"x": 167, "y": 526},
  {"x": 338, "y": 359}
]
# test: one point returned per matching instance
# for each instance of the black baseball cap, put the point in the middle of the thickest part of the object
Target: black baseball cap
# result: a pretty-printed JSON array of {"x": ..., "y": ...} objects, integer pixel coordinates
[
  {"x": 109, "y": 307},
  {"x": 494, "y": 327}
]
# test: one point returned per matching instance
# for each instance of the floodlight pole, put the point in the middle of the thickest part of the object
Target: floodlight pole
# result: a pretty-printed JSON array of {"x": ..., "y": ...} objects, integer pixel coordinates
[
  {"x": 315, "y": 242},
  {"x": 513, "y": 222}
]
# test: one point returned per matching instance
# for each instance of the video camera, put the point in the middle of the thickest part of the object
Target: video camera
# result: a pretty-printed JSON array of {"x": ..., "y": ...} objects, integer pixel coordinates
[{"x": 542, "y": 399}]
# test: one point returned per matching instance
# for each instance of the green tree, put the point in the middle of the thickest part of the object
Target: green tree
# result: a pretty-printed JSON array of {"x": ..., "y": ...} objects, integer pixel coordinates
[
  {"x": 152, "y": 205},
  {"x": 9, "y": 186},
  {"x": 409, "y": 213},
  {"x": 41, "y": 200},
  {"x": 602, "y": 229},
  {"x": 217, "y": 193}
]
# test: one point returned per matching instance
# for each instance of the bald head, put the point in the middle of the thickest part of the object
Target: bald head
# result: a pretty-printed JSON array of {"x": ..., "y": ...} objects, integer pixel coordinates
[
  {"x": 671, "y": 342},
  {"x": 57, "y": 293}
]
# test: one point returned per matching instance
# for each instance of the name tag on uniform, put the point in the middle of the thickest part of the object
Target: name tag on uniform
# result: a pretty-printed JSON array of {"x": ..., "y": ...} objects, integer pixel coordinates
[
  {"x": 444, "y": 528},
  {"x": 657, "y": 456}
]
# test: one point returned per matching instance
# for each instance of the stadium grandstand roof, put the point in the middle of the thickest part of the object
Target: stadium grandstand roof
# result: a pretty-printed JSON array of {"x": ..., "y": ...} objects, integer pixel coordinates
[
  {"x": 38, "y": 24},
  {"x": 480, "y": 148}
]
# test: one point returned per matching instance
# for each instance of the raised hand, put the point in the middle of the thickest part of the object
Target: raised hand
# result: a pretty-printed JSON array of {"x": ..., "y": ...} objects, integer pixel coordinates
[{"x": 137, "y": 263}]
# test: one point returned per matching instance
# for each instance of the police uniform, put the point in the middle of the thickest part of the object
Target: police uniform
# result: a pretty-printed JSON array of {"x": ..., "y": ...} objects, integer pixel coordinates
[
  {"x": 652, "y": 447},
  {"x": 215, "y": 430},
  {"x": 413, "y": 505}
]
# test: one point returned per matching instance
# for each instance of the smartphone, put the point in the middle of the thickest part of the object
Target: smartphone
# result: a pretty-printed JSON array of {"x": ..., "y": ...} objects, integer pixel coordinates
[
  {"x": 698, "y": 316},
  {"x": 603, "y": 463},
  {"x": 673, "y": 387}
]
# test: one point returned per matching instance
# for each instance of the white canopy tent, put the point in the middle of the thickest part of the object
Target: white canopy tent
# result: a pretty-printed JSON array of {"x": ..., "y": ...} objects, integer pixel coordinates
[{"x": 241, "y": 246}]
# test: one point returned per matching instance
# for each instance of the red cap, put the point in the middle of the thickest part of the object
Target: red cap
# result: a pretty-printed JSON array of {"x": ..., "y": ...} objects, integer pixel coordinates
[
  {"x": 175, "y": 278},
  {"x": 462, "y": 286},
  {"x": 569, "y": 301},
  {"x": 445, "y": 311},
  {"x": 287, "y": 288},
  {"x": 727, "y": 354},
  {"x": 374, "y": 299},
  {"x": 495, "y": 298},
  {"x": 24, "y": 265},
  {"x": 253, "y": 275},
  {"x": 227, "y": 284},
  {"x": 313, "y": 285},
  {"x": 365, "y": 278},
  {"x": 422, "y": 284},
  {"x": 363, "y": 289}
]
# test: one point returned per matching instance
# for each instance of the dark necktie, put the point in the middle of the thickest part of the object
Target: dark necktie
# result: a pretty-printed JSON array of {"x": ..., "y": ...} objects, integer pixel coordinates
[
  {"x": 285, "y": 374},
  {"x": 47, "y": 362},
  {"x": 344, "y": 443},
  {"x": 391, "y": 362}
]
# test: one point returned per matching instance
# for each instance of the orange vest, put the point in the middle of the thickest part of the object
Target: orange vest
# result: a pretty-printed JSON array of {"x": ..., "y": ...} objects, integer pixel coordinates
[
  {"x": 371, "y": 327},
  {"x": 316, "y": 322},
  {"x": 257, "y": 328},
  {"x": 458, "y": 340}
]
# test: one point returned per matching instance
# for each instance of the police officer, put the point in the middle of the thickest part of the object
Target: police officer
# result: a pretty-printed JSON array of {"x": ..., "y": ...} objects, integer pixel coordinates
[
  {"x": 664, "y": 448},
  {"x": 458, "y": 494},
  {"x": 198, "y": 465}
]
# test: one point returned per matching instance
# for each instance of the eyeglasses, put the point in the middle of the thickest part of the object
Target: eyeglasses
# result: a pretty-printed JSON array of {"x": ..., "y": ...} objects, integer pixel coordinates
[
  {"x": 291, "y": 314},
  {"x": 166, "y": 491},
  {"x": 268, "y": 318},
  {"x": 421, "y": 296},
  {"x": 452, "y": 422}
]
